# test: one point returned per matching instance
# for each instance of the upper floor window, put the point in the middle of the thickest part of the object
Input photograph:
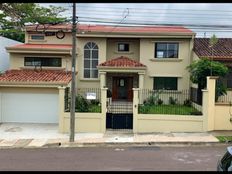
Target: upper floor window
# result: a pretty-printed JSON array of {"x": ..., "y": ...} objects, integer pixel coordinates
[
  {"x": 166, "y": 50},
  {"x": 42, "y": 61},
  {"x": 90, "y": 60},
  {"x": 166, "y": 83},
  {"x": 123, "y": 47},
  {"x": 37, "y": 37}
]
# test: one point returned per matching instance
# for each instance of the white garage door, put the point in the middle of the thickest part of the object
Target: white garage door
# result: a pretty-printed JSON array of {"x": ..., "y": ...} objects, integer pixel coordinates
[{"x": 29, "y": 107}]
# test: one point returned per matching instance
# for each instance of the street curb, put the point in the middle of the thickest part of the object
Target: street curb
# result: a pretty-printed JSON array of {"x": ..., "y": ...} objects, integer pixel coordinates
[
  {"x": 117, "y": 144},
  {"x": 112, "y": 144}
]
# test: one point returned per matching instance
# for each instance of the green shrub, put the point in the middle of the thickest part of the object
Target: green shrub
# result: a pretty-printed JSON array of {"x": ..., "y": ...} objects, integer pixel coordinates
[
  {"x": 144, "y": 109},
  {"x": 95, "y": 102},
  {"x": 172, "y": 101},
  {"x": 187, "y": 102},
  {"x": 160, "y": 102},
  {"x": 82, "y": 104},
  {"x": 153, "y": 99}
]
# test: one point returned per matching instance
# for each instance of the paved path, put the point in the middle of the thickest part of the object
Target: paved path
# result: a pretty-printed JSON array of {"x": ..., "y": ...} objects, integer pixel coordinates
[{"x": 47, "y": 135}]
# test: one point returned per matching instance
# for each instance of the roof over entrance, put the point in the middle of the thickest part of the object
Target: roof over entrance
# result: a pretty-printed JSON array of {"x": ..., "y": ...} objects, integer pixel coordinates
[
  {"x": 121, "y": 62},
  {"x": 36, "y": 77}
]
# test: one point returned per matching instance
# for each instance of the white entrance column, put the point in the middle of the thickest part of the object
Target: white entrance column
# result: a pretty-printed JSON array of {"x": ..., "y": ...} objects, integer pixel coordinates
[
  {"x": 141, "y": 83},
  {"x": 102, "y": 79}
]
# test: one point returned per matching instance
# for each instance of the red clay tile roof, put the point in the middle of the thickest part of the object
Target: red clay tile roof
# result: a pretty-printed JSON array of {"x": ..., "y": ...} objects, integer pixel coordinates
[
  {"x": 122, "y": 62},
  {"x": 43, "y": 46},
  {"x": 36, "y": 76},
  {"x": 102, "y": 28},
  {"x": 105, "y": 28},
  {"x": 222, "y": 50}
]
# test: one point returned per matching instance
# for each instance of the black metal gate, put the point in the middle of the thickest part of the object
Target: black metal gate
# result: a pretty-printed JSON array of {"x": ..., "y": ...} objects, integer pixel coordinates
[{"x": 119, "y": 115}]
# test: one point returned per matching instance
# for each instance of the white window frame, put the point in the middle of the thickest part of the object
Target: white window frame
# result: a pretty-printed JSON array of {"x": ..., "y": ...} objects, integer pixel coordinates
[{"x": 91, "y": 59}]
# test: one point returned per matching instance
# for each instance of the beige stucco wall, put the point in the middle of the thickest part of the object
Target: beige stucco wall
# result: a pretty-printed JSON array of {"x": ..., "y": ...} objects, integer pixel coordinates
[
  {"x": 84, "y": 122},
  {"x": 112, "y": 48},
  {"x": 89, "y": 83},
  {"x": 195, "y": 57},
  {"x": 165, "y": 67},
  {"x": 223, "y": 117},
  {"x": 17, "y": 60},
  {"x": 50, "y": 39},
  {"x": 169, "y": 123}
]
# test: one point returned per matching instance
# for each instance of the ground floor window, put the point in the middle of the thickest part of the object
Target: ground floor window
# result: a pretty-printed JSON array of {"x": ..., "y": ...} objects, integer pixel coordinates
[{"x": 166, "y": 83}]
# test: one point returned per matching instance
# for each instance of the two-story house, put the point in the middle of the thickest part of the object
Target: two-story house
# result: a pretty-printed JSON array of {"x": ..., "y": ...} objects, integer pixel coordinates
[{"x": 119, "y": 58}]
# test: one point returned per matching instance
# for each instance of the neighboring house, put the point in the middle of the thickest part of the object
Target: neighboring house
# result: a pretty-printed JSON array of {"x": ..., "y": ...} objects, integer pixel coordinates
[
  {"x": 119, "y": 58},
  {"x": 4, "y": 56},
  {"x": 221, "y": 52}
]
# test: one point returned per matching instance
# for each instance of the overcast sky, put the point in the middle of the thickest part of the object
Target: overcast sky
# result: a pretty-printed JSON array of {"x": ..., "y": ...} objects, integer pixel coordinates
[{"x": 158, "y": 13}]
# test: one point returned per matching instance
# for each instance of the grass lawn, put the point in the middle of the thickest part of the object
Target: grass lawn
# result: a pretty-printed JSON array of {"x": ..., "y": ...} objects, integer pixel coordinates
[
  {"x": 168, "y": 109},
  {"x": 91, "y": 108},
  {"x": 224, "y": 139},
  {"x": 95, "y": 108}
]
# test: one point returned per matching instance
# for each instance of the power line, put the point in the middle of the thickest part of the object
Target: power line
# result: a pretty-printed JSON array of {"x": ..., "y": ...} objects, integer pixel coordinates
[
  {"x": 155, "y": 9},
  {"x": 96, "y": 11},
  {"x": 104, "y": 20},
  {"x": 165, "y": 16}
]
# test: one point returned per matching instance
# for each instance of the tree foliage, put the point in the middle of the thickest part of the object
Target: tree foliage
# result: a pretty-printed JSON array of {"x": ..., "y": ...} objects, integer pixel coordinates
[
  {"x": 213, "y": 40},
  {"x": 15, "y": 16},
  {"x": 200, "y": 69}
]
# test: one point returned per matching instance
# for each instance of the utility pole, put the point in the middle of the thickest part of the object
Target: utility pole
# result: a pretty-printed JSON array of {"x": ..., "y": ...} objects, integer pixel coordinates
[{"x": 73, "y": 88}]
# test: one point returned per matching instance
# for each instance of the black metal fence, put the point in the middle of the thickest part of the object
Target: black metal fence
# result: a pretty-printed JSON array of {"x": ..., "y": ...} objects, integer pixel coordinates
[
  {"x": 227, "y": 98},
  {"x": 87, "y": 100},
  {"x": 166, "y": 102},
  {"x": 196, "y": 95}
]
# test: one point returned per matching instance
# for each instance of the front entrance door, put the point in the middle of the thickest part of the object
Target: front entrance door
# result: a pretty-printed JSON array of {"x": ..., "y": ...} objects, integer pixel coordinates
[{"x": 122, "y": 88}]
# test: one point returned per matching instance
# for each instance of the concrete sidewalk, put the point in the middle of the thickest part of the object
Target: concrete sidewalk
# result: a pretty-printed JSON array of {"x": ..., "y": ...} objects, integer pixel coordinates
[{"x": 46, "y": 135}]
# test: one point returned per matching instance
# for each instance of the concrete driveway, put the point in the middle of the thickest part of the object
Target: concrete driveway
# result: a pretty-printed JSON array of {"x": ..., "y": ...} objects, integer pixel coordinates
[
  {"x": 9, "y": 131},
  {"x": 30, "y": 131}
]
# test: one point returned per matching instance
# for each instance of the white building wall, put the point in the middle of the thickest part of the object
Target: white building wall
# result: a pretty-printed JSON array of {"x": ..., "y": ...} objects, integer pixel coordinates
[{"x": 4, "y": 56}]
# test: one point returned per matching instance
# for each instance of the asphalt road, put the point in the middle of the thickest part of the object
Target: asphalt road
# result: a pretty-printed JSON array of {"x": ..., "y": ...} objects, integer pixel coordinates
[{"x": 150, "y": 158}]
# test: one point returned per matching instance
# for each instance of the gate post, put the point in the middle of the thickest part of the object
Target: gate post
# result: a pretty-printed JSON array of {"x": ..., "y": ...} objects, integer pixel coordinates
[
  {"x": 208, "y": 104},
  {"x": 135, "y": 109},
  {"x": 103, "y": 108},
  {"x": 61, "y": 108}
]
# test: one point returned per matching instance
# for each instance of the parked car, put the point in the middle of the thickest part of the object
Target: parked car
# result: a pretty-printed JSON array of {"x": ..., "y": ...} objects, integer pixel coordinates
[{"x": 225, "y": 163}]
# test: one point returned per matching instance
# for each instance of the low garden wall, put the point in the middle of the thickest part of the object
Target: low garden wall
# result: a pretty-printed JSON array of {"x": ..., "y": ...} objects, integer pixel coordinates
[
  {"x": 223, "y": 117},
  {"x": 90, "y": 117},
  {"x": 84, "y": 122},
  {"x": 168, "y": 123},
  {"x": 155, "y": 117}
]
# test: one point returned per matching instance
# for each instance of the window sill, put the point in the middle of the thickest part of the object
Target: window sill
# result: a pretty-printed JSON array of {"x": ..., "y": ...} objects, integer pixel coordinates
[
  {"x": 123, "y": 52},
  {"x": 90, "y": 79},
  {"x": 37, "y": 40},
  {"x": 43, "y": 68},
  {"x": 166, "y": 60}
]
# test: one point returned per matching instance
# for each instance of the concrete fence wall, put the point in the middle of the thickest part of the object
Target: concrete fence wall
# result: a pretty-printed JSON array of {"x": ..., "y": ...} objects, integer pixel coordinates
[
  {"x": 144, "y": 123},
  {"x": 219, "y": 115},
  {"x": 84, "y": 122},
  {"x": 223, "y": 117},
  {"x": 215, "y": 116}
]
